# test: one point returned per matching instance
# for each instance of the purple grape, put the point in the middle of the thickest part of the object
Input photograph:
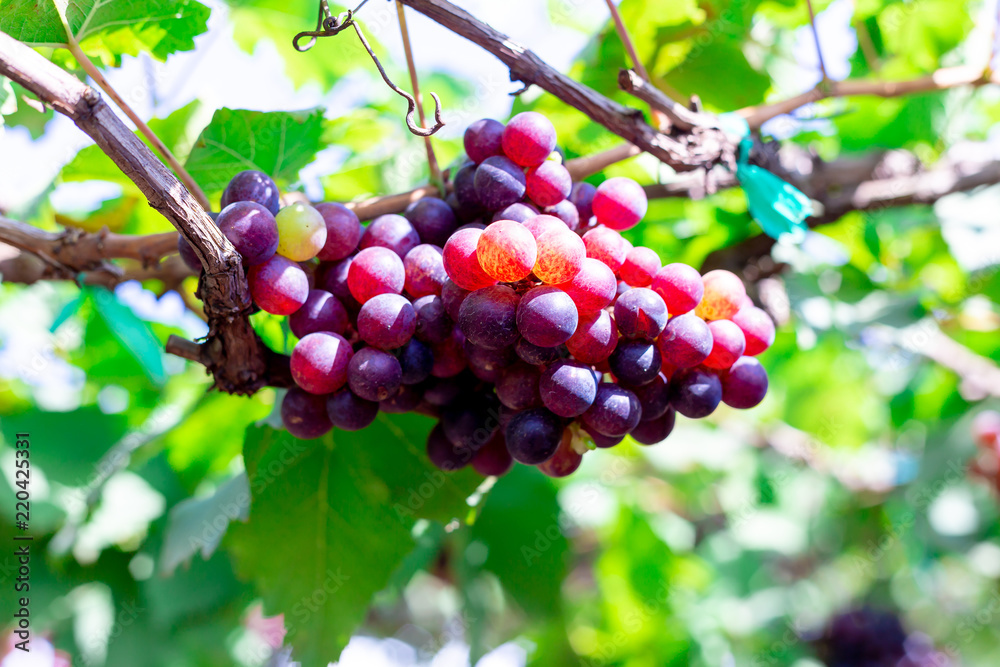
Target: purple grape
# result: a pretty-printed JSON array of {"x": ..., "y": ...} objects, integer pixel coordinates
[
  {"x": 343, "y": 231},
  {"x": 387, "y": 321},
  {"x": 433, "y": 219},
  {"x": 443, "y": 454},
  {"x": 602, "y": 441},
  {"x": 334, "y": 280},
  {"x": 483, "y": 139},
  {"x": 488, "y": 359},
  {"x": 686, "y": 341},
  {"x": 547, "y": 316},
  {"x": 640, "y": 313},
  {"x": 188, "y": 254},
  {"x": 445, "y": 391},
  {"x": 433, "y": 323},
  {"x": 537, "y": 355},
  {"x": 582, "y": 197},
  {"x": 493, "y": 457},
  {"x": 498, "y": 182},
  {"x": 654, "y": 397},
  {"x": 321, "y": 312},
  {"x": 390, "y": 231},
  {"x": 471, "y": 423},
  {"x": 635, "y": 362},
  {"x": 533, "y": 436},
  {"x": 568, "y": 388},
  {"x": 464, "y": 189},
  {"x": 695, "y": 392},
  {"x": 656, "y": 430},
  {"x": 374, "y": 375},
  {"x": 255, "y": 186},
  {"x": 518, "y": 212},
  {"x": 304, "y": 414},
  {"x": 615, "y": 411},
  {"x": 424, "y": 267},
  {"x": 251, "y": 229},
  {"x": 349, "y": 412},
  {"x": 416, "y": 361},
  {"x": 405, "y": 400},
  {"x": 566, "y": 212},
  {"x": 488, "y": 317},
  {"x": 518, "y": 387},
  {"x": 745, "y": 384},
  {"x": 452, "y": 296}
]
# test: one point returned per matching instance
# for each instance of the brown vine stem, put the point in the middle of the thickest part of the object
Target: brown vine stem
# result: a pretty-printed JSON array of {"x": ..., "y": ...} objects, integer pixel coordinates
[
  {"x": 815, "y": 32},
  {"x": 587, "y": 165},
  {"x": 626, "y": 38},
  {"x": 106, "y": 86},
  {"x": 432, "y": 162},
  {"x": 681, "y": 151}
]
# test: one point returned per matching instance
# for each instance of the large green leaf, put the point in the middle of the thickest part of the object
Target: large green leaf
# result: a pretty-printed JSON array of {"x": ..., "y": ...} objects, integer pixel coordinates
[
  {"x": 278, "y": 143},
  {"x": 108, "y": 28},
  {"x": 332, "y": 519}
]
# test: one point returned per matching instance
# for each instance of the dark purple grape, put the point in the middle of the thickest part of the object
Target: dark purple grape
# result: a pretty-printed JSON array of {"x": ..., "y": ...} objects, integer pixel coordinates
[
  {"x": 615, "y": 411},
  {"x": 487, "y": 358},
  {"x": 518, "y": 387},
  {"x": 518, "y": 212},
  {"x": 470, "y": 423},
  {"x": 640, "y": 313},
  {"x": 433, "y": 323},
  {"x": 483, "y": 139},
  {"x": 568, "y": 388},
  {"x": 654, "y": 397},
  {"x": 695, "y": 392},
  {"x": 443, "y": 454},
  {"x": 321, "y": 312},
  {"x": 433, "y": 219},
  {"x": 255, "y": 186},
  {"x": 387, "y": 321},
  {"x": 533, "y": 436},
  {"x": 602, "y": 441},
  {"x": 445, "y": 391},
  {"x": 188, "y": 254},
  {"x": 493, "y": 457},
  {"x": 333, "y": 279},
  {"x": 343, "y": 231},
  {"x": 488, "y": 317},
  {"x": 498, "y": 182},
  {"x": 464, "y": 190},
  {"x": 452, "y": 296},
  {"x": 449, "y": 357},
  {"x": 869, "y": 637},
  {"x": 251, "y": 229},
  {"x": 686, "y": 341},
  {"x": 536, "y": 355},
  {"x": 349, "y": 412},
  {"x": 652, "y": 431},
  {"x": 416, "y": 361},
  {"x": 582, "y": 197},
  {"x": 390, "y": 231},
  {"x": 566, "y": 212},
  {"x": 745, "y": 384},
  {"x": 547, "y": 316},
  {"x": 374, "y": 375},
  {"x": 635, "y": 362},
  {"x": 405, "y": 400},
  {"x": 304, "y": 414}
]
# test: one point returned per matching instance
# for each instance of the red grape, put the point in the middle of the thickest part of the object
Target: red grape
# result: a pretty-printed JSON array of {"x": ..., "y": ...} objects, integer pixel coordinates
[
  {"x": 640, "y": 313},
  {"x": 279, "y": 285},
  {"x": 546, "y": 316},
  {"x": 607, "y": 245},
  {"x": 680, "y": 286},
  {"x": 686, "y": 341},
  {"x": 391, "y": 231},
  {"x": 493, "y": 457},
  {"x": 251, "y": 229},
  {"x": 319, "y": 362},
  {"x": 593, "y": 287},
  {"x": 461, "y": 261},
  {"x": 728, "y": 344},
  {"x": 375, "y": 271},
  {"x": 387, "y": 321},
  {"x": 724, "y": 294},
  {"x": 443, "y": 454},
  {"x": 483, "y": 139},
  {"x": 343, "y": 231},
  {"x": 424, "y": 267},
  {"x": 548, "y": 183},
  {"x": 757, "y": 328},
  {"x": 619, "y": 203},
  {"x": 374, "y": 375},
  {"x": 320, "y": 312},
  {"x": 506, "y": 251},
  {"x": 488, "y": 317},
  {"x": 529, "y": 138},
  {"x": 449, "y": 357},
  {"x": 304, "y": 414},
  {"x": 595, "y": 338},
  {"x": 745, "y": 384},
  {"x": 560, "y": 256},
  {"x": 640, "y": 267},
  {"x": 333, "y": 278}
]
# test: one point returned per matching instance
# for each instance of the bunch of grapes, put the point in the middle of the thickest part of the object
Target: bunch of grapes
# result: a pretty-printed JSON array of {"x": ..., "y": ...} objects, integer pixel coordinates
[{"x": 513, "y": 311}]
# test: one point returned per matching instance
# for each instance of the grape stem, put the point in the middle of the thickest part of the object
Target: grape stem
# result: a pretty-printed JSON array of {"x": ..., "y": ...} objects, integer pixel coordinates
[{"x": 432, "y": 162}]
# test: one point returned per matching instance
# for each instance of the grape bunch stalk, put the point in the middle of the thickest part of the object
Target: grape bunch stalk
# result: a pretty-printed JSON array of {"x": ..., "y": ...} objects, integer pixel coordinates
[{"x": 513, "y": 311}]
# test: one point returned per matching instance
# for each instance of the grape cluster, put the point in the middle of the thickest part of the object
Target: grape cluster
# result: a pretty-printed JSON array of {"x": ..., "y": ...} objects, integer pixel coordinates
[
  {"x": 868, "y": 637},
  {"x": 513, "y": 311}
]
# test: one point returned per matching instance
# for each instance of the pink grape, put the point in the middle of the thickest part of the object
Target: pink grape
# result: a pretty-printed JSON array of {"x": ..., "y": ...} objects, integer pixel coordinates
[
  {"x": 279, "y": 285},
  {"x": 375, "y": 271},
  {"x": 548, "y": 184},
  {"x": 540, "y": 224},
  {"x": 640, "y": 267},
  {"x": 724, "y": 294},
  {"x": 757, "y": 327},
  {"x": 595, "y": 338},
  {"x": 529, "y": 138},
  {"x": 686, "y": 341},
  {"x": 321, "y": 312},
  {"x": 680, "y": 286},
  {"x": 424, "y": 267},
  {"x": 593, "y": 287},
  {"x": 343, "y": 231},
  {"x": 619, "y": 203},
  {"x": 606, "y": 245},
  {"x": 728, "y": 344},
  {"x": 319, "y": 362},
  {"x": 461, "y": 261},
  {"x": 506, "y": 251}
]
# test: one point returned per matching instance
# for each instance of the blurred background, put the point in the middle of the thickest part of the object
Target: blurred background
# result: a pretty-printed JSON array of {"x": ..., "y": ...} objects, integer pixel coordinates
[{"x": 863, "y": 484}]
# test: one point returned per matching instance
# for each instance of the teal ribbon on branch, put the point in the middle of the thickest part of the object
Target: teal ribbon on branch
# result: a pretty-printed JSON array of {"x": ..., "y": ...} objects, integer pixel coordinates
[{"x": 780, "y": 208}]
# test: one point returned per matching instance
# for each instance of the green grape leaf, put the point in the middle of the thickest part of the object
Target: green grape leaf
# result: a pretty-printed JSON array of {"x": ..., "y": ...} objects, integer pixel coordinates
[
  {"x": 197, "y": 525},
  {"x": 132, "y": 332},
  {"x": 332, "y": 519},
  {"x": 276, "y": 143},
  {"x": 108, "y": 29}
]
